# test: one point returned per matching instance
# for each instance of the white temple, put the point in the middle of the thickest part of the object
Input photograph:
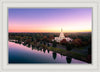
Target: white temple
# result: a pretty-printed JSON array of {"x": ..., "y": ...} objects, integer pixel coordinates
[{"x": 61, "y": 37}]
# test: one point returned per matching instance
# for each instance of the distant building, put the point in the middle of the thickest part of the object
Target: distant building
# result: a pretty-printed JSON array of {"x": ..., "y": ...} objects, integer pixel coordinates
[{"x": 61, "y": 37}]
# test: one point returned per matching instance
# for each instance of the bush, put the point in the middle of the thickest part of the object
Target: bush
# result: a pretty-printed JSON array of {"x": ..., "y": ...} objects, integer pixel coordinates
[{"x": 54, "y": 44}]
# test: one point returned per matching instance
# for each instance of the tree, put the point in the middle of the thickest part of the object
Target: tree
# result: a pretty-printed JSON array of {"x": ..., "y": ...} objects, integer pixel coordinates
[
  {"x": 68, "y": 46},
  {"x": 66, "y": 35},
  {"x": 45, "y": 38},
  {"x": 44, "y": 43},
  {"x": 54, "y": 44},
  {"x": 63, "y": 42},
  {"x": 77, "y": 42},
  {"x": 51, "y": 37},
  {"x": 48, "y": 45},
  {"x": 28, "y": 41}
]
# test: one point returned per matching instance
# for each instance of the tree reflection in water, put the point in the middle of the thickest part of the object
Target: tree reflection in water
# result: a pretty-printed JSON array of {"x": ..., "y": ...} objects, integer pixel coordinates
[
  {"x": 33, "y": 47},
  {"x": 54, "y": 55},
  {"x": 48, "y": 51},
  {"x": 37, "y": 47},
  {"x": 68, "y": 59},
  {"x": 44, "y": 50},
  {"x": 61, "y": 55},
  {"x": 40, "y": 49},
  {"x": 28, "y": 45}
]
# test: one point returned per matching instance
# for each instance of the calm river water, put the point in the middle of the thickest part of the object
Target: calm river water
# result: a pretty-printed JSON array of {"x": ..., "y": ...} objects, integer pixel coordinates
[{"x": 19, "y": 53}]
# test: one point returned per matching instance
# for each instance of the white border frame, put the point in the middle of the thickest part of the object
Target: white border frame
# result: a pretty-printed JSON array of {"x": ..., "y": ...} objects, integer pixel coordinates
[{"x": 6, "y": 66}]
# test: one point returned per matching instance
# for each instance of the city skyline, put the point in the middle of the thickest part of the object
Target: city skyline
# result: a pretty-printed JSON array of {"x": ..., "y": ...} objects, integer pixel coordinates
[{"x": 49, "y": 19}]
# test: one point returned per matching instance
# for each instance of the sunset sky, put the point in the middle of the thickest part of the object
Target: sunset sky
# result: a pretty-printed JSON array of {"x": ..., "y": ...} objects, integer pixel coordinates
[{"x": 49, "y": 19}]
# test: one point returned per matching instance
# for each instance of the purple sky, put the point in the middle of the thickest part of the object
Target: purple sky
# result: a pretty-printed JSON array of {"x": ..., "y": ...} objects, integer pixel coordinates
[{"x": 49, "y": 19}]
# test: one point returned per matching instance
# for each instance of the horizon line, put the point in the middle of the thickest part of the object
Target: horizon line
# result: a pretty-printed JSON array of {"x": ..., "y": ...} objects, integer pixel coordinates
[{"x": 49, "y": 32}]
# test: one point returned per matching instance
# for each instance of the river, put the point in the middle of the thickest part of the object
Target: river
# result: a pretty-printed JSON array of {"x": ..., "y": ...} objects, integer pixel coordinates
[{"x": 18, "y": 53}]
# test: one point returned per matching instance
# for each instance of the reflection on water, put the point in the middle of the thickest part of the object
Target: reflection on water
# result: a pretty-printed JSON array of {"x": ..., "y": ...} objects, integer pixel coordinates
[
  {"x": 54, "y": 55},
  {"x": 68, "y": 59},
  {"x": 19, "y": 53},
  {"x": 44, "y": 50},
  {"x": 48, "y": 51},
  {"x": 28, "y": 45}
]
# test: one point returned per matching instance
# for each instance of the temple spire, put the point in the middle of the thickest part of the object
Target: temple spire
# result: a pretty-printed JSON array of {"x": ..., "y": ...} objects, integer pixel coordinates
[{"x": 61, "y": 29}]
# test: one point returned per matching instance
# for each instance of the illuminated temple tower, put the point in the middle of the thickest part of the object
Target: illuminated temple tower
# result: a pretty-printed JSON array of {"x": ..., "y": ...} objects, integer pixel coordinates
[{"x": 61, "y": 37}]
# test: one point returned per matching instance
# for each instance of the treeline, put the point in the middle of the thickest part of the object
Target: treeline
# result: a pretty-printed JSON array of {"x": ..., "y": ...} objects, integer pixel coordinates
[
  {"x": 79, "y": 39},
  {"x": 33, "y": 36}
]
